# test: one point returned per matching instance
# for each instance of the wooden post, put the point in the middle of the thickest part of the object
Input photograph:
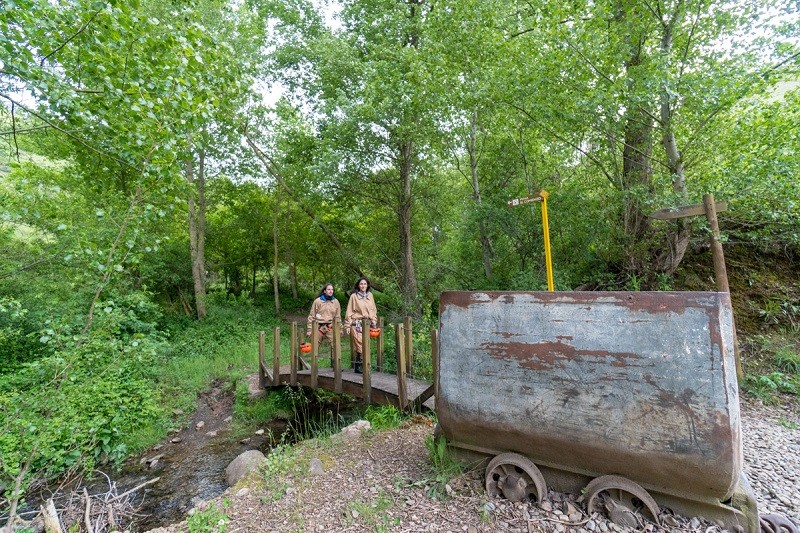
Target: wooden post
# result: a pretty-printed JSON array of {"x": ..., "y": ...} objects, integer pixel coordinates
[
  {"x": 276, "y": 358},
  {"x": 402, "y": 392},
  {"x": 721, "y": 272},
  {"x": 379, "y": 360},
  {"x": 293, "y": 356},
  {"x": 717, "y": 255},
  {"x": 352, "y": 346},
  {"x": 710, "y": 208},
  {"x": 409, "y": 347},
  {"x": 314, "y": 352},
  {"x": 262, "y": 363},
  {"x": 365, "y": 362},
  {"x": 435, "y": 361},
  {"x": 336, "y": 355}
]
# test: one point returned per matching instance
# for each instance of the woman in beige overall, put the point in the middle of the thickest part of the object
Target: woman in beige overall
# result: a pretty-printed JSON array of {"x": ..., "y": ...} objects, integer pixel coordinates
[
  {"x": 360, "y": 306},
  {"x": 324, "y": 310}
]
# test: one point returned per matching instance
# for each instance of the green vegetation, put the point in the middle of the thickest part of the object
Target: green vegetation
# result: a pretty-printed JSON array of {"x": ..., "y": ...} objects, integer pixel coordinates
[
  {"x": 384, "y": 416},
  {"x": 281, "y": 461},
  {"x": 772, "y": 366},
  {"x": 156, "y": 212},
  {"x": 444, "y": 466},
  {"x": 211, "y": 520},
  {"x": 372, "y": 513}
]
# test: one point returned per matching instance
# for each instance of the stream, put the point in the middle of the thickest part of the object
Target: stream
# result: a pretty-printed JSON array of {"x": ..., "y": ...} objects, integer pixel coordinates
[{"x": 190, "y": 463}]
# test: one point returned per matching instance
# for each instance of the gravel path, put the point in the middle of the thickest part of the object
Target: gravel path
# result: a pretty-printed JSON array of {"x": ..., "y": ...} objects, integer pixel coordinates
[
  {"x": 771, "y": 441},
  {"x": 382, "y": 482}
]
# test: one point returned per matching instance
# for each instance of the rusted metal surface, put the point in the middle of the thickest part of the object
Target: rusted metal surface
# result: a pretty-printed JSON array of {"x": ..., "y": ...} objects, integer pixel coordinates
[{"x": 641, "y": 385}]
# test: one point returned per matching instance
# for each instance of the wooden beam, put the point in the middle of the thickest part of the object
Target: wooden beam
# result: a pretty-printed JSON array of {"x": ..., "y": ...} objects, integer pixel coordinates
[
  {"x": 671, "y": 213},
  {"x": 365, "y": 362},
  {"x": 336, "y": 355},
  {"x": 293, "y": 356},
  {"x": 276, "y": 357},
  {"x": 409, "y": 345},
  {"x": 402, "y": 390},
  {"x": 262, "y": 364},
  {"x": 314, "y": 353}
]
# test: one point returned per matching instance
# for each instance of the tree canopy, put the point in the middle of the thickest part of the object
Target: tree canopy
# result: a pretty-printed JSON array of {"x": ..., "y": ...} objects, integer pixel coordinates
[{"x": 154, "y": 152}]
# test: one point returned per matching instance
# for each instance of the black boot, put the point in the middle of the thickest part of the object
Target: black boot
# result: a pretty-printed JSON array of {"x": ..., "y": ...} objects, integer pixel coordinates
[{"x": 357, "y": 363}]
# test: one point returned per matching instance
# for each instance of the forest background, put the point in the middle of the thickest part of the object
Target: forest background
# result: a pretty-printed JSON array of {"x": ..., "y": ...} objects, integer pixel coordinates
[{"x": 177, "y": 175}]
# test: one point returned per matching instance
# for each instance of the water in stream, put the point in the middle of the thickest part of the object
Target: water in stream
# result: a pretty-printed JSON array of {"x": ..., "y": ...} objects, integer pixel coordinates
[{"x": 191, "y": 462}]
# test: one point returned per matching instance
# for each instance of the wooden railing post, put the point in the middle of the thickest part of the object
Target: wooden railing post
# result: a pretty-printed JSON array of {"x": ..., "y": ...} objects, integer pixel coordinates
[
  {"x": 352, "y": 346},
  {"x": 336, "y": 355},
  {"x": 379, "y": 359},
  {"x": 262, "y": 363},
  {"x": 409, "y": 347},
  {"x": 293, "y": 356},
  {"x": 276, "y": 358},
  {"x": 314, "y": 352},
  {"x": 402, "y": 391},
  {"x": 365, "y": 365}
]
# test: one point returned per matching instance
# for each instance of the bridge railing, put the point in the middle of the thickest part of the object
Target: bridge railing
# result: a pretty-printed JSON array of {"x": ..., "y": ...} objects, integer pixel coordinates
[{"x": 404, "y": 358}]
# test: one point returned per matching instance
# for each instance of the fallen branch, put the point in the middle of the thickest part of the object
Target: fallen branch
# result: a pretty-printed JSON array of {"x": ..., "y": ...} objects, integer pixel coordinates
[
  {"x": 134, "y": 489},
  {"x": 50, "y": 516},
  {"x": 87, "y": 515}
]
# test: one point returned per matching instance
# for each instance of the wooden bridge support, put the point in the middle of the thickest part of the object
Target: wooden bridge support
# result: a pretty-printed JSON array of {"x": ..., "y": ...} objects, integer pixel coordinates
[
  {"x": 262, "y": 363},
  {"x": 402, "y": 389},
  {"x": 336, "y": 355},
  {"x": 366, "y": 367}
]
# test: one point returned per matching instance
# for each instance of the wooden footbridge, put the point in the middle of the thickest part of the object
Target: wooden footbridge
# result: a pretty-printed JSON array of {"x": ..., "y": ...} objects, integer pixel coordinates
[{"x": 374, "y": 385}]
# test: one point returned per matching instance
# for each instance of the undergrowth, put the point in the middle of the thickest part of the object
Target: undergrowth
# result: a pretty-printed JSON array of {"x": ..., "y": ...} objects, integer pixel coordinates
[
  {"x": 444, "y": 466},
  {"x": 772, "y": 366}
]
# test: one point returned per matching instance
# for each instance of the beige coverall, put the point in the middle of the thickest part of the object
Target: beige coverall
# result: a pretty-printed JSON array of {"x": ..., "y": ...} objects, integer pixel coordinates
[
  {"x": 324, "y": 312},
  {"x": 359, "y": 308}
]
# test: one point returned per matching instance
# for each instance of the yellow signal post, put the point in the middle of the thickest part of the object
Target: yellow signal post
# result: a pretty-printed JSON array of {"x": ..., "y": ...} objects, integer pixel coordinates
[{"x": 541, "y": 197}]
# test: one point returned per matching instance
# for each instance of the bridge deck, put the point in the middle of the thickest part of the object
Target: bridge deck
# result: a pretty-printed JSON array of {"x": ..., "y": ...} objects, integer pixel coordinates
[{"x": 384, "y": 386}]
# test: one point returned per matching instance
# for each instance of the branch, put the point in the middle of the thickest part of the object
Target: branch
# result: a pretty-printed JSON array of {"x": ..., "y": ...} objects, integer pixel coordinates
[
  {"x": 65, "y": 43},
  {"x": 589, "y": 62},
  {"x": 273, "y": 170},
  {"x": 68, "y": 134},
  {"x": 109, "y": 270},
  {"x": 23, "y": 130},
  {"x": 134, "y": 489},
  {"x": 566, "y": 141},
  {"x": 723, "y": 106},
  {"x": 26, "y": 267}
]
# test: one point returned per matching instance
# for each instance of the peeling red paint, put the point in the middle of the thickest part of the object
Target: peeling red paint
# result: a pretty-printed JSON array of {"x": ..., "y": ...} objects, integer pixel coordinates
[{"x": 548, "y": 355}]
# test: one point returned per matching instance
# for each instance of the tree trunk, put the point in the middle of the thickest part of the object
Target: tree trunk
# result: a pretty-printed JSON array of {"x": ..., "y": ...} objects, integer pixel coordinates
[
  {"x": 637, "y": 172},
  {"x": 255, "y": 271},
  {"x": 275, "y": 282},
  {"x": 293, "y": 275},
  {"x": 678, "y": 239},
  {"x": 409, "y": 279},
  {"x": 197, "y": 223},
  {"x": 486, "y": 244}
]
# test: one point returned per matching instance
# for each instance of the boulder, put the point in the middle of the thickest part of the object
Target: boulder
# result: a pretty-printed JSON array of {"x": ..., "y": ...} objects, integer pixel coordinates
[{"x": 244, "y": 463}]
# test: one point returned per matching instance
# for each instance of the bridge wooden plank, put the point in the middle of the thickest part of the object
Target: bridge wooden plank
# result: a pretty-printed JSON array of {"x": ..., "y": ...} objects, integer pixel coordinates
[{"x": 384, "y": 386}]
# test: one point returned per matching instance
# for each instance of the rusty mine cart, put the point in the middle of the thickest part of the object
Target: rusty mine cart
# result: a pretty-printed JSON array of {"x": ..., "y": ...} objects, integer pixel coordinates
[{"x": 631, "y": 397}]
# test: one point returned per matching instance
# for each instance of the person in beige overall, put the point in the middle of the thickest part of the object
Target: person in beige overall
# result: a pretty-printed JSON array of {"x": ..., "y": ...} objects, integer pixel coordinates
[
  {"x": 324, "y": 310},
  {"x": 360, "y": 306}
]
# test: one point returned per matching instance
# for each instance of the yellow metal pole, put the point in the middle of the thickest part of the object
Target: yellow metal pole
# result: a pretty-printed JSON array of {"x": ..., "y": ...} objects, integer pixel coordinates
[{"x": 546, "y": 227}]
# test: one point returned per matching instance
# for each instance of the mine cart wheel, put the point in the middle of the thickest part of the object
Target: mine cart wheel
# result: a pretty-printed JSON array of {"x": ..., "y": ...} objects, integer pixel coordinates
[
  {"x": 623, "y": 500},
  {"x": 775, "y": 523},
  {"x": 514, "y": 477}
]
